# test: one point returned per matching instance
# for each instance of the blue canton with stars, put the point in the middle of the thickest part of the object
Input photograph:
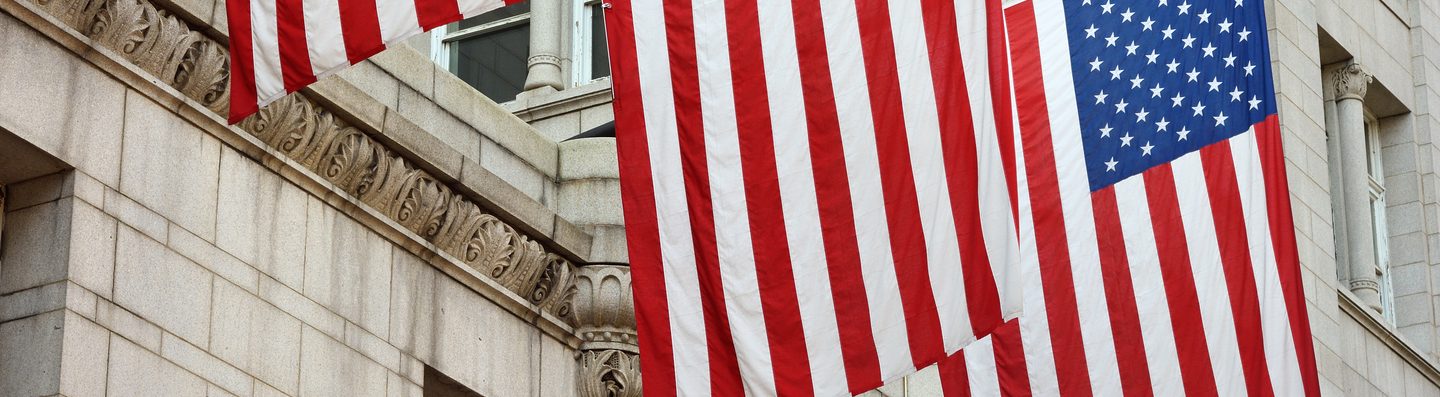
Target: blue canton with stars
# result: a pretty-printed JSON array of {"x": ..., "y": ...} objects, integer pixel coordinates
[{"x": 1157, "y": 79}]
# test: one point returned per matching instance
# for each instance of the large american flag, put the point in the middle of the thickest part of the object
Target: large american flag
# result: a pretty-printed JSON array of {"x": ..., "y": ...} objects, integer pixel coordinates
[
  {"x": 280, "y": 46},
  {"x": 815, "y": 191},
  {"x": 1157, "y": 229}
]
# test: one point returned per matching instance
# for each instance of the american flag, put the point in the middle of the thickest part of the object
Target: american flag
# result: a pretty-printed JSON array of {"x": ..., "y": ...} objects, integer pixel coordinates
[
  {"x": 280, "y": 46},
  {"x": 1156, "y": 224},
  {"x": 815, "y": 191}
]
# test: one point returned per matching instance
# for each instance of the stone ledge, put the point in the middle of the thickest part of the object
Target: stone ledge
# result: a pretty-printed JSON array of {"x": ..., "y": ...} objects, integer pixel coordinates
[{"x": 1388, "y": 335}]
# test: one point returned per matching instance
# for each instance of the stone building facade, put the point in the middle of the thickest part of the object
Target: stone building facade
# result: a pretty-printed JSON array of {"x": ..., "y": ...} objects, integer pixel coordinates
[{"x": 391, "y": 231}]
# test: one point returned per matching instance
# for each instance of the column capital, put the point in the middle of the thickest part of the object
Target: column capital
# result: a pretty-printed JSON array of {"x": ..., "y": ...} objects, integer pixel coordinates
[
  {"x": 1349, "y": 82},
  {"x": 604, "y": 317}
]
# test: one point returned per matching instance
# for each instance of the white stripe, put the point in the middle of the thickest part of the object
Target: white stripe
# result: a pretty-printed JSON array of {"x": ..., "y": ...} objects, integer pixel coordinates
[
  {"x": 1280, "y": 353},
  {"x": 470, "y": 8},
  {"x": 727, "y": 197},
  {"x": 1210, "y": 285},
  {"x": 798, "y": 200},
  {"x": 682, "y": 285},
  {"x": 398, "y": 20},
  {"x": 269, "y": 84},
  {"x": 927, "y": 164},
  {"x": 847, "y": 68},
  {"x": 1151, "y": 303},
  {"x": 984, "y": 377},
  {"x": 324, "y": 40},
  {"x": 1075, "y": 201}
]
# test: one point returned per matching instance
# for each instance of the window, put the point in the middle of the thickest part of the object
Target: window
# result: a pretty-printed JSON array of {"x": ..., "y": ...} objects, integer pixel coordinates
[
  {"x": 489, "y": 51},
  {"x": 1375, "y": 169},
  {"x": 591, "y": 55}
]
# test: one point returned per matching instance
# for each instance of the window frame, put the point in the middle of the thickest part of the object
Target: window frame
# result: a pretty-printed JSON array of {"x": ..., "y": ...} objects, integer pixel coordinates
[
  {"x": 1379, "y": 223},
  {"x": 581, "y": 35}
]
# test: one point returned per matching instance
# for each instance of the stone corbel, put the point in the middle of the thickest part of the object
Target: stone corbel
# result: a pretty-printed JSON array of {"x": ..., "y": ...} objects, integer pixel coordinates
[{"x": 604, "y": 318}]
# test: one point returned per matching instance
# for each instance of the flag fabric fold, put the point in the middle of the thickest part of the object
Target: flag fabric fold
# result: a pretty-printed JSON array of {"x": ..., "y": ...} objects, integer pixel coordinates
[
  {"x": 816, "y": 191},
  {"x": 1155, "y": 214},
  {"x": 280, "y": 46}
]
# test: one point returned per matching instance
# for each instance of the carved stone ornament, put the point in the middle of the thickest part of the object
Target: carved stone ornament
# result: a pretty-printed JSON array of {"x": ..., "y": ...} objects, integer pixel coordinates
[
  {"x": 609, "y": 373},
  {"x": 1350, "y": 82},
  {"x": 198, "y": 66}
]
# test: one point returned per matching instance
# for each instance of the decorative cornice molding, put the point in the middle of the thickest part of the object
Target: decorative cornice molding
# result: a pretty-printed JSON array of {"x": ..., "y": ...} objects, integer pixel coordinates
[
  {"x": 197, "y": 66},
  {"x": 1350, "y": 82}
]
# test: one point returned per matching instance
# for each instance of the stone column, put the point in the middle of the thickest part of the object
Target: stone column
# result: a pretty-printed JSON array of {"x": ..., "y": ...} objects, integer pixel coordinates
[
  {"x": 544, "y": 62},
  {"x": 1348, "y": 85},
  {"x": 604, "y": 316}
]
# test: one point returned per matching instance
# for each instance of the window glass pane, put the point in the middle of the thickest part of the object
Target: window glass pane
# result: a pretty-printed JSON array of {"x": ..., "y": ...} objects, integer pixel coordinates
[
  {"x": 494, "y": 63},
  {"x": 599, "y": 52},
  {"x": 492, "y": 16}
]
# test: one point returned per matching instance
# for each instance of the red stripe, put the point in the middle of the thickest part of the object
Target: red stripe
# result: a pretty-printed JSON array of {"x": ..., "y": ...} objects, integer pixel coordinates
[
  {"x": 897, "y": 182},
  {"x": 1221, "y": 182},
  {"x": 780, "y": 305},
  {"x": 1013, "y": 372},
  {"x": 1120, "y": 295},
  {"x": 954, "y": 378},
  {"x": 1052, "y": 244},
  {"x": 724, "y": 366},
  {"x": 434, "y": 13},
  {"x": 360, "y": 26},
  {"x": 957, "y": 135},
  {"x": 1170, "y": 243},
  {"x": 642, "y": 233},
  {"x": 1282, "y": 235},
  {"x": 294, "y": 52},
  {"x": 243, "y": 100},
  {"x": 999, "y": 73},
  {"x": 832, "y": 192}
]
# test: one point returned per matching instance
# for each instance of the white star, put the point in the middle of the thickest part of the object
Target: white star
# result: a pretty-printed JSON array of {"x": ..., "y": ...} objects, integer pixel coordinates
[
  {"x": 1194, "y": 75},
  {"x": 1125, "y": 140},
  {"x": 1225, "y": 25},
  {"x": 1169, "y": 32},
  {"x": 1148, "y": 23},
  {"x": 1130, "y": 49},
  {"x": 1155, "y": 92},
  {"x": 1177, "y": 99},
  {"x": 1214, "y": 84},
  {"x": 1172, "y": 66},
  {"x": 1085, "y": 3},
  {"x": 1107, "y": 6},
  {"x": 1164, "y": 2},
  {"x": 1140, "y": 116},
  {"x": 1135, "y": 82},
  {"x": 1090, "y": 33},
  {"x": 1220, "y": 120},
  {"x": 1110, "y": 165},
  {"x": 1120, "y": 107},
  {"x": 1183, "y": 133},
  {"x": 1199, "y": 109},
  {"x": 1115, "y": 73},
  {"x": 1239, "y": 3},
  {"x": 1235, "y": 94},
  {"x": 1149, "y": 59},
  {"x": 1184, "y": 7},
  {"x": 1229, "y": 60},
  {"x": 1244, "y": 34},
  {"x": 1162, "y": 124},
  {"x": 1254, "y": 103},
  {"x": 1146, "y": 149},
  {"x": 1095, "y": 64},
  {"x": 1209, "y": 50},
  {"x": 1204, "y": 16},
  {"x": 1189, "y": 40},
  {"x": 1249, "y": 68},
  {"x": 1100, "y": 98},
  {"x": 1105, "y": 132},
  {"x": 1110, "y": 41},
  {"x": 1126, "y": 15}
]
